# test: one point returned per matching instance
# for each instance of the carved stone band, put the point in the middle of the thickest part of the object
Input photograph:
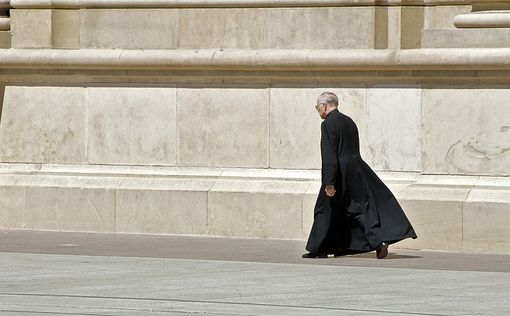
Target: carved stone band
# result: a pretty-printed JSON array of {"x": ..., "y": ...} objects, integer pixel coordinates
[
  {"x": 5, "y": 24},
  {"x": 266, "y": 60},
  {"x": 483, "y": 19},
  {"x": 41, "y": 4}
]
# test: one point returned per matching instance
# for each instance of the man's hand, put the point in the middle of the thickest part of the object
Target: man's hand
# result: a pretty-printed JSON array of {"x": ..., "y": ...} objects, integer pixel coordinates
[{"x": 330, "y": 190}]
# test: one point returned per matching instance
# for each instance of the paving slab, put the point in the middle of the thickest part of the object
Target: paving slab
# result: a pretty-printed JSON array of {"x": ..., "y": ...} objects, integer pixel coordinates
[
  {"x": 234, "y": 249},
  {"x": 49, "y": 273}
]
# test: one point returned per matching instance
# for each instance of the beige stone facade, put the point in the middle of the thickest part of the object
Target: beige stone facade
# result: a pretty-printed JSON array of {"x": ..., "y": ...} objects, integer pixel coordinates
[{"x": 197, "y": 117}]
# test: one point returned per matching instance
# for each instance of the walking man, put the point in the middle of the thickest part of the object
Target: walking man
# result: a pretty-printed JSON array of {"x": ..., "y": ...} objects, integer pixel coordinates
[{"x": 355, "y": 211}]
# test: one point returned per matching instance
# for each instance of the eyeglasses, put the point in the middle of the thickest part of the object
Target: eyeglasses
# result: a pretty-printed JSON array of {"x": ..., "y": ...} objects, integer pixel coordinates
[{"x": 318, "y": 106}]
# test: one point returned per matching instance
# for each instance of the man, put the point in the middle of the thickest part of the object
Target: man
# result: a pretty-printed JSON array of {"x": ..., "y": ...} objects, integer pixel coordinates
[{"x": 355, "y": 212}]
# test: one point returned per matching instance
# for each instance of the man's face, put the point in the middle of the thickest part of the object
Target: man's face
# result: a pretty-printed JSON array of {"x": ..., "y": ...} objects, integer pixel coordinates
[{"x": 321, "y": 109}]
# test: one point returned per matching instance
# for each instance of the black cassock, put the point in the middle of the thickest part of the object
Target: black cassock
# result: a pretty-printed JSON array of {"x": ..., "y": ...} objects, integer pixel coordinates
[{"x": 363, "y": 213}]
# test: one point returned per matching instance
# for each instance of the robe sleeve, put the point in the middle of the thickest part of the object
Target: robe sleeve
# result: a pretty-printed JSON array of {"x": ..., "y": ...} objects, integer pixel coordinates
[{"x": 330, "y": 141}]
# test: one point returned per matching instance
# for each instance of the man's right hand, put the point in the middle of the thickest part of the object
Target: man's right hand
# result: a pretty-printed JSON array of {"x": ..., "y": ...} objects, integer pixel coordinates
[{"x": 330, "y": 190}]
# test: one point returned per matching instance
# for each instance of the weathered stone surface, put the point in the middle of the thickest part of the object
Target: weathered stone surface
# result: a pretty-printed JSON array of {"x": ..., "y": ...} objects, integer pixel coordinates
[
  {"x": 132, "y": 126},
  {"x": 256, "y": 209},
  {"x": 31, "y": 28},
  {"x": 155, "y": 211},
  {"x": 486, "y": 218},
  {"x": 295, "y": 129},
  {"x": 5, "y": 39},
  {"x": 12, "y": 208},
  {"x": 411, "y": 27},
  {"x": 466, "y": 38},
  {"x": 394, "y": 27},
  {"x": 71, "y": 209},
  {"x": 223, "y": 127},
  {"x": 129, "y": 29},
  {"x": 43, "y": 124},
  {"x": 436, "y": 215},
  {"x": 466, "y": 131},
  {"x": 228, "y": 28},
  {"x": 66, "y": 29},
  {"x": 299, "y": 28},
  {"x": 393, "y": 128},
  {"x": 441, "y": 17}
]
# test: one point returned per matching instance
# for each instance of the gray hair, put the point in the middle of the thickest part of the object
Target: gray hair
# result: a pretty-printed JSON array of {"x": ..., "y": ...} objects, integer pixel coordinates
[{"x": 329, "y": 98}]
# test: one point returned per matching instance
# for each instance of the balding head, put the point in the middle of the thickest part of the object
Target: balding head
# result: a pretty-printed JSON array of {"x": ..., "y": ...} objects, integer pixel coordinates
[{"x": 328, "y": 98}]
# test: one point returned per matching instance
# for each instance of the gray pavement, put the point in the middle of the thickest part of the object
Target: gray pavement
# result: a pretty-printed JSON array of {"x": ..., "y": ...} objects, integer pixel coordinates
[{"x": 44, "y": 273}]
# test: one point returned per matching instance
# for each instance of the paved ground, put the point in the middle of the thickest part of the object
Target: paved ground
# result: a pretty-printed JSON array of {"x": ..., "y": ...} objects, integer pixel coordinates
[{"x": 45, "y": 273}]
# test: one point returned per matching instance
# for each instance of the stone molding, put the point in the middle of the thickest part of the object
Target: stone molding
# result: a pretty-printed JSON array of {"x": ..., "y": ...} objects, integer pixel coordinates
[
  {"x": 263, "y": 60},
  {"x": 452, "y": 213},
  {"x": 5, "y": 23},
  {"x": 483, "y": 19},
  {"x": 45, "y": 4},
  {"x": 397, "y": 179},
  {"x": 5, "y": 4}
]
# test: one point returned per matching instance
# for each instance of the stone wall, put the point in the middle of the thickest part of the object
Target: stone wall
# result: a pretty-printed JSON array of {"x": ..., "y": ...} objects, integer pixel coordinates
[{"x": 197, "y": 118}]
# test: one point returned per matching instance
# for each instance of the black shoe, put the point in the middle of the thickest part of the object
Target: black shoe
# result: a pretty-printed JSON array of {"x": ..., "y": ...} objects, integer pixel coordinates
[
  {"x": 382, "y": 250},
  {"x": 314, "y": 255}
]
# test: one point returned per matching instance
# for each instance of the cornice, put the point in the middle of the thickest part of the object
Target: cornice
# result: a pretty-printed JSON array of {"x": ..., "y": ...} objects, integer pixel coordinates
[
  {"x": 106, "y": 4},
  {"x": 495, "y": 59}
]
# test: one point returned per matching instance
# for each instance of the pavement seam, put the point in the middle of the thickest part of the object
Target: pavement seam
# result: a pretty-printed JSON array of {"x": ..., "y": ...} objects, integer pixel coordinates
[{"x": 223, "y": 303}]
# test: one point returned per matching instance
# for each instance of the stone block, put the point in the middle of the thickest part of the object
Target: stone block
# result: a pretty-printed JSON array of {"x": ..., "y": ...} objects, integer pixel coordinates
[
  {"x": 295, "y": 129},
  {"x": 411, "y": 27},
  {"x": 130, "y": 29},
  {"x": 66, "y": 29},
  {"x": 394, "y": 27},
  {"x": 12, "y": 208},
  {"x": 393, "y": 128},
  {"x": 381, "y": 28},
  {"x": 5, "y": 39},
  {"x": 256, "y": 209},
  {"x": 229, "y": 28},
  {"x": 436, "y": 215},
  {"x": 223, "y": 127},
  {"x": 163, "y": 207},
  {"x": 71, "y": 209},
  {"x": 220, "y": 28},
  {"x": 43, "y": 124},
  {"x": 31, "y": 28},
  {"x": 132, "y": 126},
  {"x": 466, "y": 38},
  {"x": 302, "y": 28},
  {"x": 466, "y": 131},
  {"x": 486, "y": 221}
]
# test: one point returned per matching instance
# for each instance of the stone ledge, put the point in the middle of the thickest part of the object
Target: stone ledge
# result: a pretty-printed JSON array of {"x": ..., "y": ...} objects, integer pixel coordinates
[
  {"x": 19, "y": 169},
  {"x": 483, "y": 19},
  {"x": 263, "y": 60},
  {"x": 446, "y": 211},
  {"x": 42, "y": 4}
]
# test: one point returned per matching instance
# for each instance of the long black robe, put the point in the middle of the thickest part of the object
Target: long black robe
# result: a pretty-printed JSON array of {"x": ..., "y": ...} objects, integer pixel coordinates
[{"x": 363, "y": 213}]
